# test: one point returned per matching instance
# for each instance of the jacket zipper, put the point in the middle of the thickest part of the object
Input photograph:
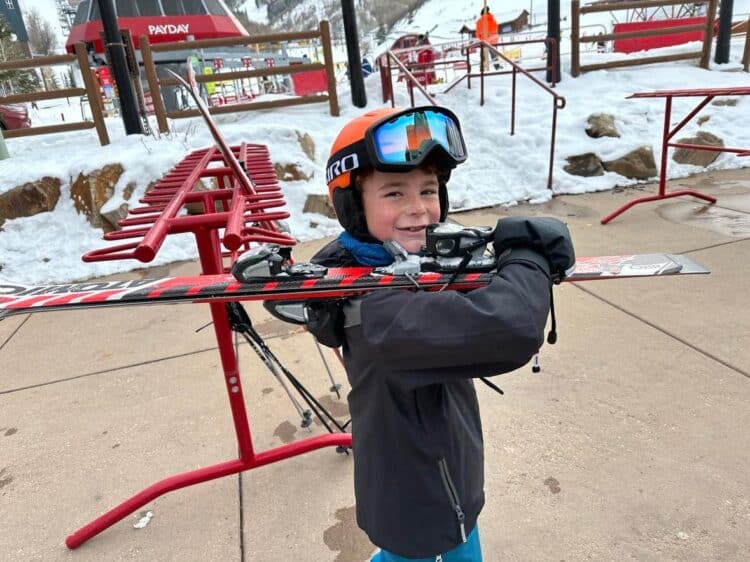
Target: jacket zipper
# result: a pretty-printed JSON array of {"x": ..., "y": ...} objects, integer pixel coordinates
[{"x": 453, "y": 496}]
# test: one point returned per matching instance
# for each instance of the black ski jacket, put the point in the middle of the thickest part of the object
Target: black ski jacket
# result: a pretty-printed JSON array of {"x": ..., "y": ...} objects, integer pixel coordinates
[{"x": 410, "y": 360}]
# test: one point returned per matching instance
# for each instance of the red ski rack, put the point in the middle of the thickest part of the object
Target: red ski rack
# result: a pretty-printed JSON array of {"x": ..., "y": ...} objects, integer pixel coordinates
[
  {"x": 707, "y": 95},
  {"x": 235, "y": 215},
  {"x": 244, "y": 217}
]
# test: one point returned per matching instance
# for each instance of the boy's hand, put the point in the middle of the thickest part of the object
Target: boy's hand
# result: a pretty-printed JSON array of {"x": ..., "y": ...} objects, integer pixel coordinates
[
  {"x": 545, "y": 235},
  {"x": 325, "y": 321}
]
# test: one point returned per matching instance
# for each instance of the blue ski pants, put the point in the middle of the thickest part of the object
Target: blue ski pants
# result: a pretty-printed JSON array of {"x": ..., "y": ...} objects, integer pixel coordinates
[{"x": 470, "y": 551}]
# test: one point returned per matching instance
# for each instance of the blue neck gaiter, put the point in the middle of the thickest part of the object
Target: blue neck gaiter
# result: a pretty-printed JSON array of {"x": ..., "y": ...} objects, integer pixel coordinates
[{"x": 365, "y": 253}]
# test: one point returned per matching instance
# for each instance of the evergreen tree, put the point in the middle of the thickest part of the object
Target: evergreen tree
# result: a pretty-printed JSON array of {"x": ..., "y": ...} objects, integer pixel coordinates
[
  {"x": 26, "y": 82},
  {"x": 12, "y": 80},
  {"x": 381, "y": 34},
  {"x": 70, "y": 78}
]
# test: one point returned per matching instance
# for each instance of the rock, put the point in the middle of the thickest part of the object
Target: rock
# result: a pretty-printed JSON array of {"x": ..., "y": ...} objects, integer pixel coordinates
[
  {"x": 638, "y": 164},
  {"x": 127, "y": 193},
  {"x": 584, "y": 165},
  {"x": 702, "y": 119},
  {"x": 197, "y": 208},
  {"x": 29, "y": 199},
  {"x": 307, "y": 144},
  {"x": 90, "y": 192},
  {"x": 725, "y": 101},
  {"x": 320, "y": 204},
  {"x": 601, "y": 125},
  {"x": 112, "y": 217},
  {"x": 289, "y": 172},
  {"x": 697, "y": 157}
]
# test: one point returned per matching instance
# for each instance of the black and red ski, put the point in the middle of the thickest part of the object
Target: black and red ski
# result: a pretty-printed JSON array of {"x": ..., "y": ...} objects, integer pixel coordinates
[{"x": 336, "y": 283}]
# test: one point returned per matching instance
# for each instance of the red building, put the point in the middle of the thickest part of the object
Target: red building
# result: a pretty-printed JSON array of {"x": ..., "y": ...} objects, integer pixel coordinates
[{"x": 162, "y": 20}]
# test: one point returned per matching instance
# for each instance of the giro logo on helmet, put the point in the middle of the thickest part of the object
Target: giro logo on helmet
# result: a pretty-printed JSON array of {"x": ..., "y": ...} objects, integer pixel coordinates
[{"x": 344, "y": 164}]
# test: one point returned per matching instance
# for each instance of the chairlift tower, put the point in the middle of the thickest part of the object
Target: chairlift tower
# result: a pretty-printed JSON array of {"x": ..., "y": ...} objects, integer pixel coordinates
[{"x": 66, "y": 11}]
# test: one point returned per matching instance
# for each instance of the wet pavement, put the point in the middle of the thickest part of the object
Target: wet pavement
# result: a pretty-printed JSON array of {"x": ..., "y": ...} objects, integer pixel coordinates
[{"x": 630, "y": 444}]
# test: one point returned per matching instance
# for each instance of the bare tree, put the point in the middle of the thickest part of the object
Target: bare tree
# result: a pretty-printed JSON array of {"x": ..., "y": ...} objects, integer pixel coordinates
[{"x": 42, "y": 38}]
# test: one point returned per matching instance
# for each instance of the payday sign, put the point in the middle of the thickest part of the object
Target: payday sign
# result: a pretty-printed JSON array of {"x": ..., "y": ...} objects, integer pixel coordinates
[{"x": 169, "y": 29}]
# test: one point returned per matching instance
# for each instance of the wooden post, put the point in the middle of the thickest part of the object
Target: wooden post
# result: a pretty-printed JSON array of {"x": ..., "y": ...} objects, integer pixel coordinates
[
  {"x": 709, "y": 35},
  {"x": 92, "y": 90},
  {"x": 575, "y": 45},
  {"x": 746, "y": 56},
  {"x": 153, "y": 83},
  {"x": 325, "y": 36}
]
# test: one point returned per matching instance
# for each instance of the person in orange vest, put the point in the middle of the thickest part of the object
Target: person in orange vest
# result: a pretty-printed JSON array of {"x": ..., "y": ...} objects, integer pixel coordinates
[{"x": 486, "y": 30}]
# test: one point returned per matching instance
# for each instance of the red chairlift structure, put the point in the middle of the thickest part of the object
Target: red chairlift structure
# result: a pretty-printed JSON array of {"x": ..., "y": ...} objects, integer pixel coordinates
[{"x": 161, "y": 20}]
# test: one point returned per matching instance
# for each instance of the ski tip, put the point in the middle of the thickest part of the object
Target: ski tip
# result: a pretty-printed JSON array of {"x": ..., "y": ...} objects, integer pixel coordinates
[{"x": 688, "y": 266}]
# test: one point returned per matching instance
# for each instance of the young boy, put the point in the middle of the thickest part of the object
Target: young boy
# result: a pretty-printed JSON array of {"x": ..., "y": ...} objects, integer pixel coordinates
[{"x": 411, "y": 356}]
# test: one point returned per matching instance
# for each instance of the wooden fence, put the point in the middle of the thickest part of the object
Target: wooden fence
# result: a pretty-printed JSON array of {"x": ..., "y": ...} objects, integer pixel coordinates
[
  {"x": 576, "y": 39},
  {"x": 155, "y": 83},
  {"x": 91, "y": 90}
]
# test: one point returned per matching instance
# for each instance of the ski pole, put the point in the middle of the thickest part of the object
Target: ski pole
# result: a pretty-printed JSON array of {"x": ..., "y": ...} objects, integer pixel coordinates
[{"x": 335, "y": 387}]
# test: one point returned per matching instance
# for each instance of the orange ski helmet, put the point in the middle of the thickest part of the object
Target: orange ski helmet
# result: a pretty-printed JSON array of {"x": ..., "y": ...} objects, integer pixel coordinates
[{"x": 391, "y": 140}]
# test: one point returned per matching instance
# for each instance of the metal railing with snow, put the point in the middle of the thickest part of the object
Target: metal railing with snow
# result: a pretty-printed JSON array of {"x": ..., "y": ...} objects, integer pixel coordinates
[
  {"x": 415, "y": 72},
  {"x": 668, "y": 95}
]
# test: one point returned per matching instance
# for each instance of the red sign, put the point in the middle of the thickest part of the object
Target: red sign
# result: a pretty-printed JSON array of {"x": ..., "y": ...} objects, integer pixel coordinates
[
  {"x": 270, "y": 62},
  {"x": 104, "y": 76},
  {"x": 309, "y": 82},
  {"x": 655, "y": 41},
  {"x": 218, "y": 63},
  {"x": 148, "y": 102},
  {"x": 247, "y": 62}
]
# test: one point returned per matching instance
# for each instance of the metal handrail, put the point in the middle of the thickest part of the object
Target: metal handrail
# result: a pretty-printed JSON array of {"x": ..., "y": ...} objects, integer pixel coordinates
[
  {"x": 411, "y": 80},
  {"x": 668, "y": 134},
  {"x": 558, "y": 101},
  {"x": 517, "y": 68}
]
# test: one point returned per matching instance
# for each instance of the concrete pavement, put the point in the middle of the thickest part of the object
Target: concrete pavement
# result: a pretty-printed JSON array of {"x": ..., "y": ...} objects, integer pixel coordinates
[{"x": 630, "y": 444}]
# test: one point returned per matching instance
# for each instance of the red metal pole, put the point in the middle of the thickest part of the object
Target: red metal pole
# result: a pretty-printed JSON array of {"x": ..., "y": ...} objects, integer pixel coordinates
[
  {"x": 513, "y": 105},
  {"x": 206, "y": 229},
  {"x": 211, "y": 263},
  {"x": 481, "y": 73},
  {"x": 152, "y": 492},
  {"x": 665, "y": 146},
  {"x": 552, "y": 143}
]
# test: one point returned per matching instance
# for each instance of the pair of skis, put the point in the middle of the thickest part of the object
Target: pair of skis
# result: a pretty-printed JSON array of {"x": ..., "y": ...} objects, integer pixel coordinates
[
  {"x": 335, "y": 283},
  {"x": 301, "y": 282}
]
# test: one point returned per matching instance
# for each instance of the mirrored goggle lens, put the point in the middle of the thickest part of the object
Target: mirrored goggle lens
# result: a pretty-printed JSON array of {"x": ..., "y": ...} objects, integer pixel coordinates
[{"x": 408, "y": 137}]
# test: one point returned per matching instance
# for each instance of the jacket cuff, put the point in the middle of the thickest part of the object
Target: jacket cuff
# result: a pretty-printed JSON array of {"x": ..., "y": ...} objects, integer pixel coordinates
[{"x": 523, "y": 255}]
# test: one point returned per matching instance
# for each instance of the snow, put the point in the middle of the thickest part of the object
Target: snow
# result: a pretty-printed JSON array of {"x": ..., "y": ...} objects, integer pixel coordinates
[
  {"x": 144, "y": 520},
  {"x": 255, "y": 13},
  {"x": 501, "y": 169}
]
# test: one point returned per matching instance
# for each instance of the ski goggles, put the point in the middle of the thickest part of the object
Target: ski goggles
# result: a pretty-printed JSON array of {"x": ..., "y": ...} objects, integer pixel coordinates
[{"x": 402, "y": 142}]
